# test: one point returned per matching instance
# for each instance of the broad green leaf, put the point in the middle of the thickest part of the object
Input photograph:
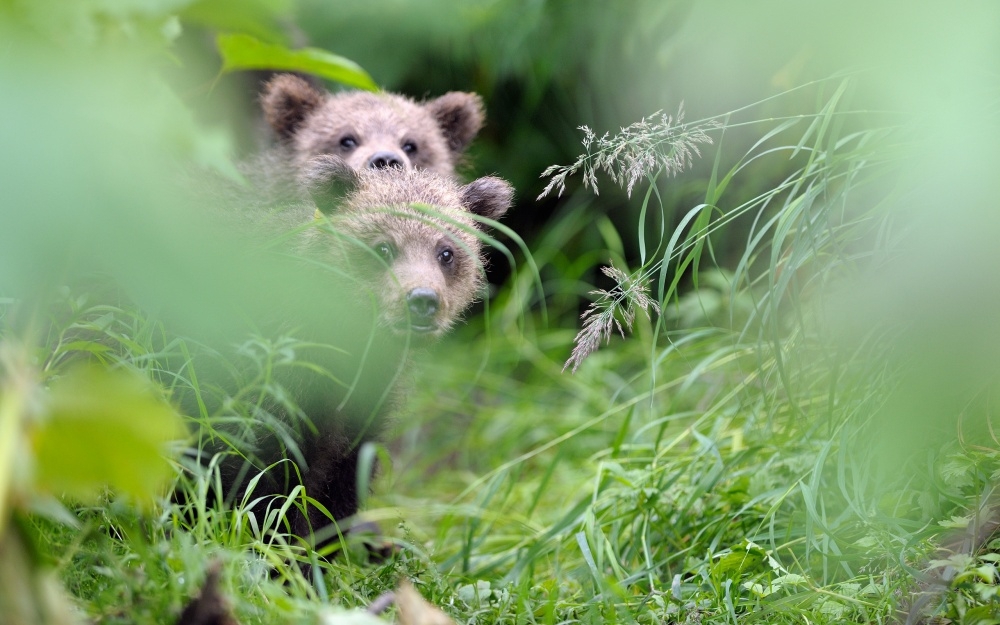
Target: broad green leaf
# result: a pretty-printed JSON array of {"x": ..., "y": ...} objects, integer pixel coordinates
[
  {"x": 245, "y": 52},
  {"x": 738, "y": 561},
  {"x": 103, "y": 429}
]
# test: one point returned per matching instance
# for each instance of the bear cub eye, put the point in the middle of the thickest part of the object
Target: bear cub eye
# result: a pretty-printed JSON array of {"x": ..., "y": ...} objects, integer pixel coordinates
[
  {"x": 385, "y": 251},
  {"x": 410, "y": 147},
  {"x": 446, "y": 256},
  {"x": 348, "y": 142}
]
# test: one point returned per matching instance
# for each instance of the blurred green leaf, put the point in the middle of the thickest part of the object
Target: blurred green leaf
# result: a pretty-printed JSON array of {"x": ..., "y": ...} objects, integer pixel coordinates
[
  {"x": 104, "y": 429},
  {"x": 245, "y": 52}
]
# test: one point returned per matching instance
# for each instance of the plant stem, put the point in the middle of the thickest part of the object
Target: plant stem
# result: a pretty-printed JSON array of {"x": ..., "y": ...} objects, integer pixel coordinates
[{"x": 12, "y": 402}]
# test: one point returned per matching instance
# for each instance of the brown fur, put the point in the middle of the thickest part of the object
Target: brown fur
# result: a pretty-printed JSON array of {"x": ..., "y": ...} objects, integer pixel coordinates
[{"x": 360, "y": 127}]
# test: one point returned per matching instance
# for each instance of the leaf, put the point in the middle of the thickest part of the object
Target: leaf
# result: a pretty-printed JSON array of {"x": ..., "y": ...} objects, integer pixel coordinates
[
  {"x": 739, "y": 561},
  {"x": 957, "y": 522},
  {"x": 103, "y": 429},
  {"x": 245, "y": 52},
  {"x": 833, "y": 609}
]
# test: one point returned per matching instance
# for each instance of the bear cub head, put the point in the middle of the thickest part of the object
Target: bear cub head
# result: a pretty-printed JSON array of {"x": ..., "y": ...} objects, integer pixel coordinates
[
  {"x": 371, "y": 130},
  {"x": 410, "y": 236}
]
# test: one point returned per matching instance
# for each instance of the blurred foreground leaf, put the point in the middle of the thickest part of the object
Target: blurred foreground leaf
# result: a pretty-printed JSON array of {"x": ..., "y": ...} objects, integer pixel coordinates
[
  {"x": 245, "y": 52},
  {"x": 104, "y": 429}
]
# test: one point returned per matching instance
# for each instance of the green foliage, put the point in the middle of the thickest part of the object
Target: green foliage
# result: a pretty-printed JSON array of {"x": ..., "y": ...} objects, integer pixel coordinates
[
  {"x": 90, "y": 431},
  {"x": 84, "y": 442},
  {"x": 240, "y": 52}
]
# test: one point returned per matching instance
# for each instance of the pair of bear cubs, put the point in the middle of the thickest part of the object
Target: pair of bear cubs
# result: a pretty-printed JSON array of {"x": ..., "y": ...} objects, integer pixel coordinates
[{"x": 373, "y": 196}]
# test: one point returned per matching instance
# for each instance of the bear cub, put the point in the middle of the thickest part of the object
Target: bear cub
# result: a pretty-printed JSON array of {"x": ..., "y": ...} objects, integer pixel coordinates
[
  {"x": 370, "y": 130},
  {"x": 409, "y": 236}
]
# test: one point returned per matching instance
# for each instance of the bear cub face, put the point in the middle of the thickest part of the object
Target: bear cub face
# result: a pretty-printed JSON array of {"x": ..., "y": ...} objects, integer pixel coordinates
[
  {"x": 371, "y": 130},
  {"x": 410, "y": 236}
]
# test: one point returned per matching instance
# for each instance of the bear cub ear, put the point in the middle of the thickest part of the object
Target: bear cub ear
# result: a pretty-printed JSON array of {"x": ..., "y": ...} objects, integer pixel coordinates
[
  {"x": 488, "y": 197},
  {"x": 329, "y": 180},
  {"x": 459, "y": 115},
  {"x": 287, "y": 100}
]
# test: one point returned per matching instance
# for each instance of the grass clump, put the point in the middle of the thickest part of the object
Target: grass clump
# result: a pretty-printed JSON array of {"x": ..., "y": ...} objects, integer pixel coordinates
[{"x": 729, "y": 462}]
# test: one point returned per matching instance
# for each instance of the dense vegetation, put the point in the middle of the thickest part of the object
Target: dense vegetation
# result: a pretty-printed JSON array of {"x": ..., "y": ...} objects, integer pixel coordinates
[{"x": 777, "y": 406}]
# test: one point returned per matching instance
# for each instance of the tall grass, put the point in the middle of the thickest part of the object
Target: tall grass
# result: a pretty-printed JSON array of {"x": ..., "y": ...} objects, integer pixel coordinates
[{"x": 724, "y": 463}]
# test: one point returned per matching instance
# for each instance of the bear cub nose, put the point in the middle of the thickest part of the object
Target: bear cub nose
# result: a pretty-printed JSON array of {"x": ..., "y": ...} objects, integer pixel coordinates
[
  {"x": 423, "y": 303},
  {"x": 384, "y": 160}
]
